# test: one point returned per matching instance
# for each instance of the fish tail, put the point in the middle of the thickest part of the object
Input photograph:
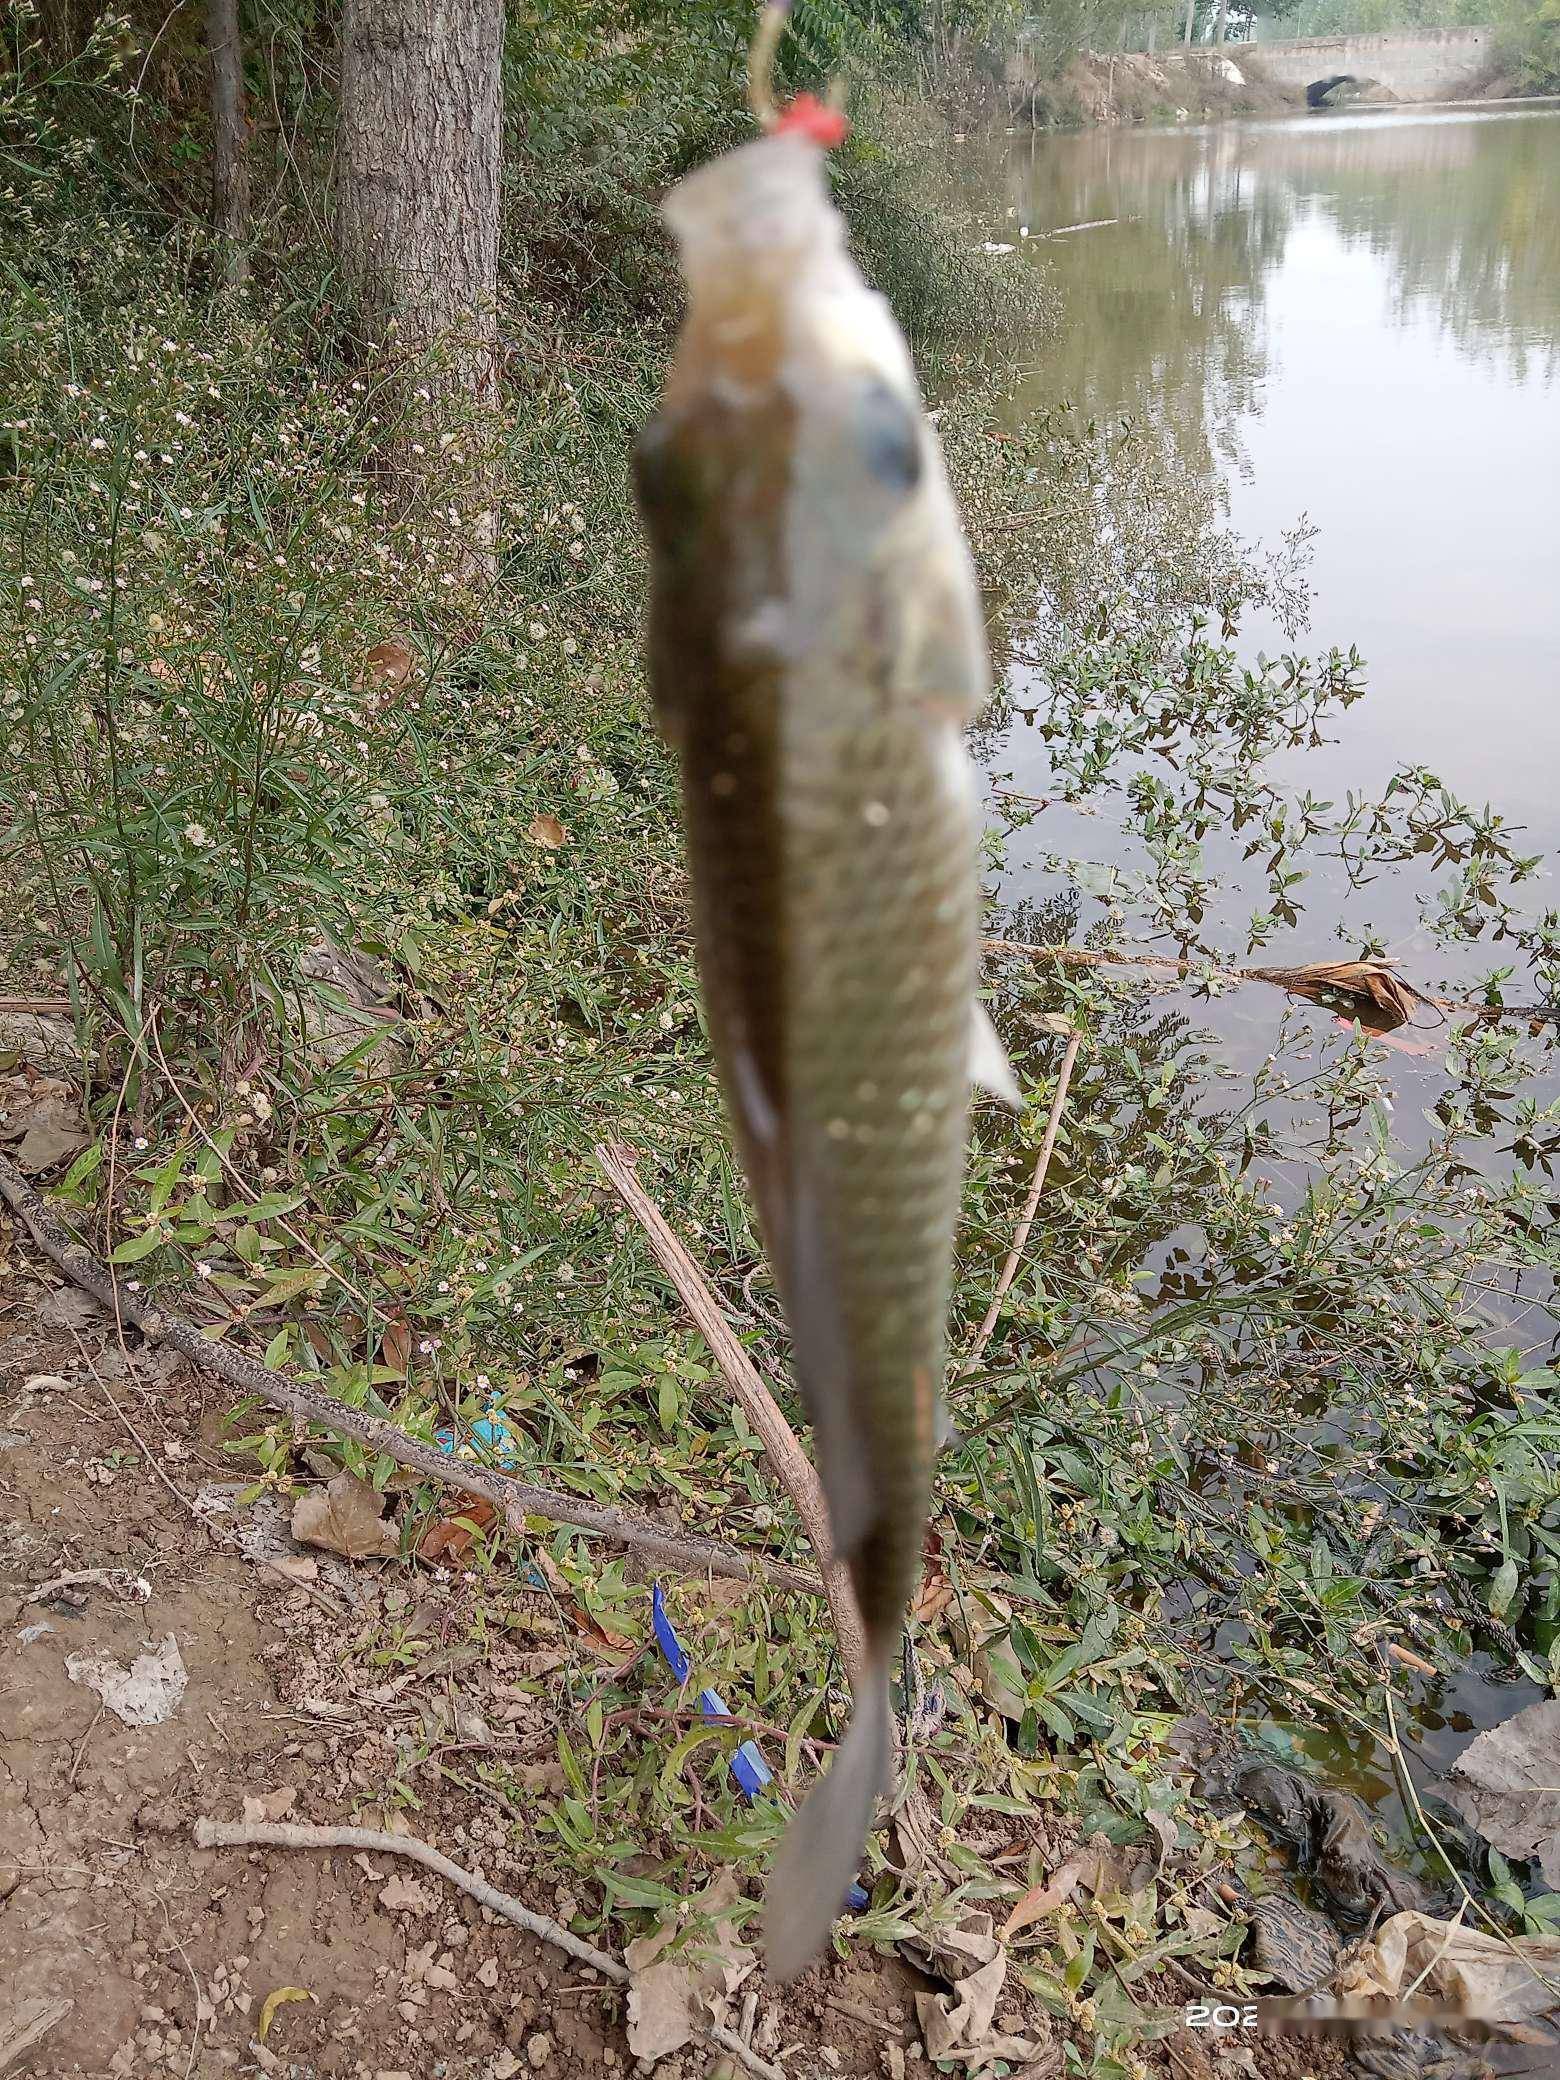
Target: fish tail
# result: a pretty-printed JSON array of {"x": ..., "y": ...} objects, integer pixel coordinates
[{"x": 819, "y": 1857}]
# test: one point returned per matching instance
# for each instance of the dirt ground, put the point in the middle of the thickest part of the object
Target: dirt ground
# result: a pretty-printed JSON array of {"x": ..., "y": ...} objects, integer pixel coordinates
[{"x": 125, "y": 1950}]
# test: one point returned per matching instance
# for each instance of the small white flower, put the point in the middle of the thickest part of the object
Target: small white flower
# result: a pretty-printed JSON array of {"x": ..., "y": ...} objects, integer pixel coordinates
[
  {"x": 203, "y": 1271},
  {"x": 195, "y": 833}
]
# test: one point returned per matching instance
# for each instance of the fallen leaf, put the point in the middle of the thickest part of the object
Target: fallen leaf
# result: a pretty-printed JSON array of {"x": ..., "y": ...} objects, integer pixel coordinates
[
  {"x": 1507, "y": 1785},
  {"x": 1093, "y": 1867},
  {"x": 446, "y": 1543},
  {"x": 936, "y": 1591},
  {"x": 1165, "y": 1832},
  {"x": 672, "y": 1999},
  {"x": 1370, "y": 986},
  {"x": 271, "y": 1805},
  {"x": 972, "y": 1960},
  {"x": 294, "y": 1567},
  {"x": 1498, "y": 1979},
  {"x": 390, "y": 663},
  {"x": 395, "y": 1347},
  {"x": 144, "y": 1694},
  {"x": 548, "y": 831},
  {"x": 45, "y": 1145},
  {"x": 278, "y": 1999},
  {"x": 403, "y": 1895},
  {"x": 345, "y": 1518},
  {"x": 68, "y": 1307}
]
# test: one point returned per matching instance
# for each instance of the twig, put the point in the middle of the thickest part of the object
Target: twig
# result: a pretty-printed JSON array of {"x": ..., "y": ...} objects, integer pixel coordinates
[
  {"x": 797, "y": 1474},
  {"x": 33, "y": 2023},
  {"x": 1026, "y": 1218},
  {"x": 70, "y": 1781},
  {"x": 288, "y": 1834},
  {"x": 133, "y": 1586},
  {"x": 860, "y": 2014},
  {"x": 517, "y": 1499}
]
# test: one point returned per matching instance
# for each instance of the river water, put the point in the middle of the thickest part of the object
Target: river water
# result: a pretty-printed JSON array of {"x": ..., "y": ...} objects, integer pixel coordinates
[{"x": 1351, "y": 319}]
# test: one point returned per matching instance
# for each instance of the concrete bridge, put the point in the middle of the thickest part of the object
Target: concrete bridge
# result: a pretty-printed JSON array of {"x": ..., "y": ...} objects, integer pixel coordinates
[{"x": 1414, "y": 64}]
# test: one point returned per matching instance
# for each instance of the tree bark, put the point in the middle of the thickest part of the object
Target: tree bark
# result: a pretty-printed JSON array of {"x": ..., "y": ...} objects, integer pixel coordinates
[
  {"x": 1191, "y": 16},
  {"x": 229, "y": 137},
  {"x": 1220, "y": 24},
  {"x": 417, "y": 185}
]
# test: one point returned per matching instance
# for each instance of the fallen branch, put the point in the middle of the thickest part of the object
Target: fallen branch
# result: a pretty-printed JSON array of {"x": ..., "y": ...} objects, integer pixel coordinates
[
  {"x": 1370, "y": 984},
  {"x": 797, "y": 1474},
  {"x": 300, "y": 1397},
  {"x": 287, "y": 1834},
  {"x": 1026, "y": 1218}
]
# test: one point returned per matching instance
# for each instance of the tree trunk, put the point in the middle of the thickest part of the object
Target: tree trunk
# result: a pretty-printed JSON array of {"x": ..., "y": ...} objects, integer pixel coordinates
[
  {"x": 1219, "y": 25},
  {"x": 1191, "y": 16},
  {"x": 229, "y": 137},
  {"x": 417, "y": 185}
]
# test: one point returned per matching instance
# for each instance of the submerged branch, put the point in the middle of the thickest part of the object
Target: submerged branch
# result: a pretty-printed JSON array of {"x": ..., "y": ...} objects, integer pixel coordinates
[{"x": 1370, "y": 985}]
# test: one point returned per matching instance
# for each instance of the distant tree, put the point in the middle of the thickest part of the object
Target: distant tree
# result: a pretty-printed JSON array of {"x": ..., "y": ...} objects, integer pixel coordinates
[
  {"x": 417, "y": 187},
  {"x": 418, "y": 170},
  {"x": 229, "y": 135}
]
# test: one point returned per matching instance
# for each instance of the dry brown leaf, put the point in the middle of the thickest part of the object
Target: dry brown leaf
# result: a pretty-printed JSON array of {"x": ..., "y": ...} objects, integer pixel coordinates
[
  {"x": 446, "y": 1543},
  {"x": 403, "y": 1895},
  {"x": 1092, "y": 1867},
  {"x": 294, "y": 1567},
  {"x": 971, "y": 1959},
  {"x": 49, "y": 1143},
  {"x": 390, "y": 663},
  {"x": 395, "y": 1347},
  {"x": 1369, "y": 985},
  {"x": 1506, "y": 1783},
  {"x": 1164, "y": 1831},
  {"x": 671, "y": 1998},
  {"x": 1045, "y": 1898},
  {"x": 936, "y": 1591},
  {"x": 345, "y": 1518},
  {"x": 271, "y": 1805},
  {"x": 548, "y": 831}
]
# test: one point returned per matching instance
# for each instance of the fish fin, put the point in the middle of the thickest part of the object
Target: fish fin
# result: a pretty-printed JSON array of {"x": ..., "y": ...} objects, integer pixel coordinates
[
  {"x": 822, "y": 1849},
  {"x": 989, "y": 1065},
  {"x": 822, "y": 1372}
]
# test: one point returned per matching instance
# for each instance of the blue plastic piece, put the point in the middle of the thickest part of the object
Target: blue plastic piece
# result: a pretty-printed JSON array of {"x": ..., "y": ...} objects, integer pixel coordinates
[
  {"x": 748, "y": 1767},
  {"x": 490, "y": 1430}
]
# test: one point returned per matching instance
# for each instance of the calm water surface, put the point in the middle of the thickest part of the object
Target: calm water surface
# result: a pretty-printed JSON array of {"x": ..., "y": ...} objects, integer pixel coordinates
[{"x": 1355, "y": 319}]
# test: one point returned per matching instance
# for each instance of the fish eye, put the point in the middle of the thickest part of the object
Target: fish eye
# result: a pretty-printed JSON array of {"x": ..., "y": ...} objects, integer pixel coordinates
[{"x": 889, "y": 433}]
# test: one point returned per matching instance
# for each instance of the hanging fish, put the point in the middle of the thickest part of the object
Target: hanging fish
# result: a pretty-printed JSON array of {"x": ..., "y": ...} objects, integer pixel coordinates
[{"x": 816, "y": 649}]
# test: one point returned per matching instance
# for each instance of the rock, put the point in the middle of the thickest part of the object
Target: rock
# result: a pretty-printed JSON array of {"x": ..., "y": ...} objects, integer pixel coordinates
[{"x": 538, "y": 2051}]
